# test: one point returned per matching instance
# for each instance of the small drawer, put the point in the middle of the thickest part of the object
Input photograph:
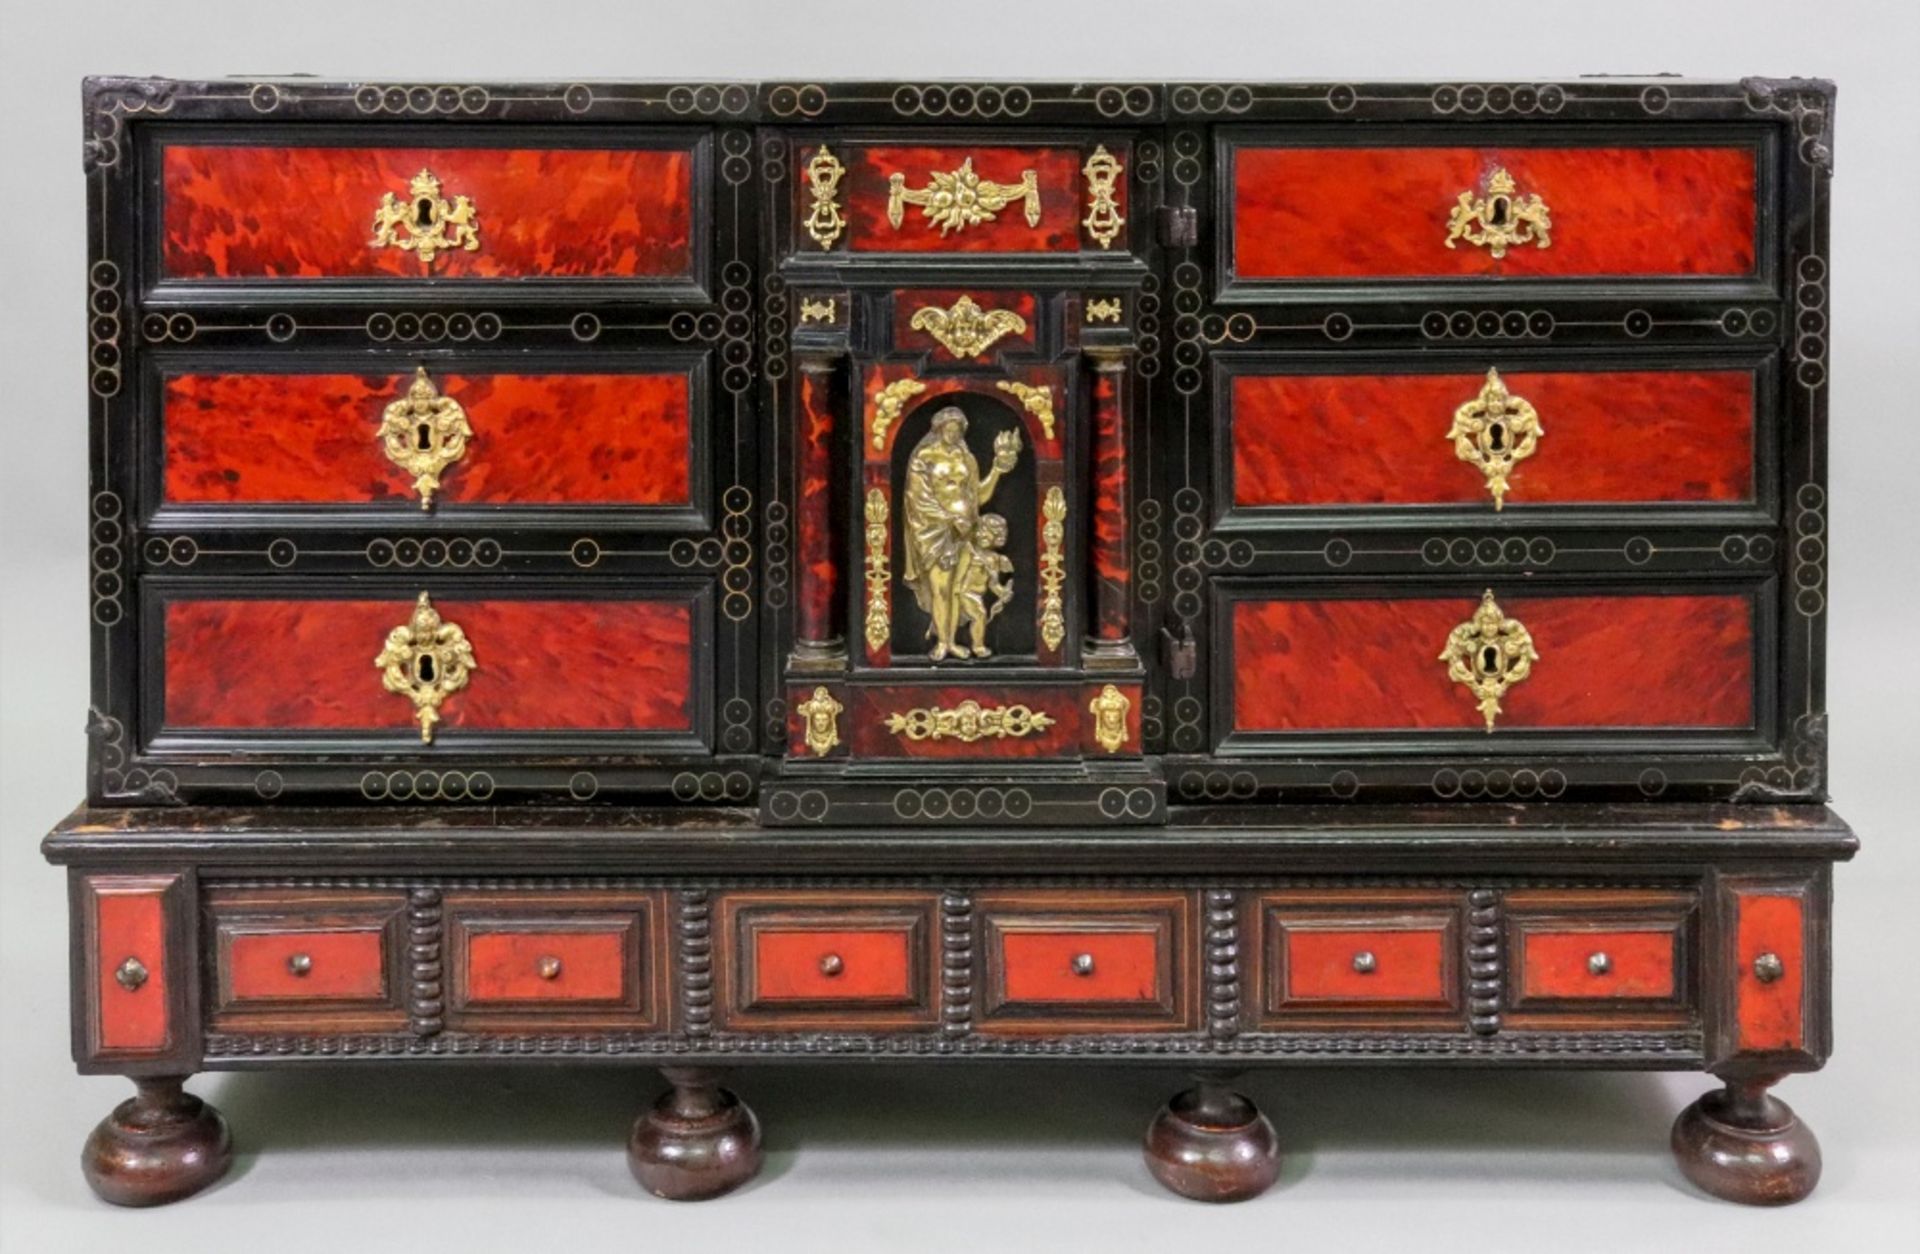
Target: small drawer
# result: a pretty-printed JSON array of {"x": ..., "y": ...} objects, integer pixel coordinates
[
  {"x": 311, "y": 960},
  {"x": 340, "y": 211},
  {"x": 1083, "y": 961},
  {"x": 826, "y": 960},
  {"x": 1608, "y": 955},
  {"x": 1360, "y": 958},
  {"x": 1437, "y": 212},
  {"x": 525, "y": 959},
  {"x": 1068, "y": 196}
]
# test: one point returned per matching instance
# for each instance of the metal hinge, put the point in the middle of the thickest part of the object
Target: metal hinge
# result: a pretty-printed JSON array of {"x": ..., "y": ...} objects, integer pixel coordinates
[
  {"x": 1178, "y": 653},
  {"x": 1177, "y": 226}
]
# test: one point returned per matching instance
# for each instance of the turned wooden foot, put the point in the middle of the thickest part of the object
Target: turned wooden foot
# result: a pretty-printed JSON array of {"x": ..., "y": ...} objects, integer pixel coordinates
[
  {"x": 1212, "y": 1145},
  {"x": 1745, "y": 1145},
  {"x": 698, "y": 1141},
  {"x": 160, "y": 1145}
]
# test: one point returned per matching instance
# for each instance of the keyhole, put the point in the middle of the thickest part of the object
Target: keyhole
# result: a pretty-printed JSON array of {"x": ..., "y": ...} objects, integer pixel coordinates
[
  {"x": 423, "y": 668},
  {"x": 1490, "y": 660},
  {"x": 1496, "y": 437},
  {"x": 424, "y": 436},
  {"x": 423, "y": 212},
  {"x": 1497, "y": 211}
]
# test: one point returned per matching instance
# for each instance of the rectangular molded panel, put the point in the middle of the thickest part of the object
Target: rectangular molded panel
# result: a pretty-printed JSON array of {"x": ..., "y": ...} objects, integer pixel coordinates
[
  {"x": 1606, "y": 661},
  {"x": 300, "y": 960},
  {"x": 1356, "y": 213},
  {"x": 556, "y": 960},
  {"x": 509, "y": 965},
  {"x": 1610, "y": 437},
  {"x": 296, "y": 212},
  {"x": 1553, "y": 937},
  {"x": 126, "y": 921},
  {"x": 1410, "y": 963},
  {"x": 1057, "y": 177},
  {"x": 1311, "y": 951},
  {"x": 1563, "y": 964},
  {"x": 539, "y": 439},
  {"x": 347, "y": 964},
  {"x": 601, "y": 665},
  {"x": 1124, "y": 967},
  {"x": 818, "y": 964},
  {"x": 1086, "y": 961},
  {"x": 1770, "y": 1015},
  {"x": 825, "y": 960}
]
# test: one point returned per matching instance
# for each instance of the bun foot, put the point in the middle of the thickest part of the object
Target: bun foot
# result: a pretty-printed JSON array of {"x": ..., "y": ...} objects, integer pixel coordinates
[
  {"x": 698, "y": 1141},
  {"x": 160, "y": 1145},
  {"x": 1212, "y": 1145},
  {"x": 1745, "y": 1145}
]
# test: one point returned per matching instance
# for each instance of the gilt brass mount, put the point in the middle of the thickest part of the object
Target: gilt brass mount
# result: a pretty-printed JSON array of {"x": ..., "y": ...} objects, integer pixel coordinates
[
  {"x": 959, "y": 199},
  {"x": 825, "y": 222},
  {"x": 426, "y": 223},
  {"x": 1489, "y": 653},
  {"x": 1494, "y": 432},
  {"x": 1104, "y": 219},
  {"x": 1501, "y": 219},
  {"x": 967, "y": 722},
  {"x": 820, "y": 715},
  {"x": 423, "y": 433},
  {"x": 1109, "y": 711},
  {"x": 966, "y": 330},
  {"x": 426, "y": 660},
  {"x": 1053, "y": 567}
]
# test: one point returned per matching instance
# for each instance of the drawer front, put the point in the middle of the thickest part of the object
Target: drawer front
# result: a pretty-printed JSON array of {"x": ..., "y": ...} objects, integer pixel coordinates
[
  {"x": 1068, "y": 196},
  {"x": 1087, "y": 961},
  {"x": 525, "y": 959},
  {"x": 1360, "y": 957},
  {"x": 409, "y": 440},
  {"x": 128, "y": 948},
  {"x": 1317, "y": 664},
  {"x": 247, "y": 211},
  {"x": 1497, "y": 437},
  {"x": 1599, "y": 957},
  {"x": 534, "y": 665},
  {"x": 826, "y": 960},
  {"x": 1346, "y": 213},
  {"x": 1771, "y": 984},
  {"x": 286, "y": 959}
]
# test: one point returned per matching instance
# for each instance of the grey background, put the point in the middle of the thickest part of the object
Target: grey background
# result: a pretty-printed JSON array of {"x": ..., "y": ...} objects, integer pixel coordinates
[{"x": 986, "y": 1157}]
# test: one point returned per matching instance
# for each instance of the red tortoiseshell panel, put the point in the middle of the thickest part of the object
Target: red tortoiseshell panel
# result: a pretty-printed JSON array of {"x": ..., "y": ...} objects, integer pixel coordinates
[
  {"x": 561, "y": 665},
  {"x": 346, "y": 964},
  {"x": 1605, "y": 661},
  {"x": 1382, "y": 212},
  {"x": 1409, "y": 964},
  {"x": 1770, "y": 1015},
  {"x": 304, "y": 213},
  {"x": 796, "y": 965},
  {"x": 1057, "y": 172},
  {"x": 908, "y": 303},
  {"x": 1112, "y": 567},
  {"x": 506, "y": 966},
  {"x": 130, "y": 921},
  {"x": 1558, "y": 964},
  {"x": 819, "y": 568},
  {"x": 1040, "y": 966},
  {"x": 587, "y": 439},
  {"x": 1611, "y": 436},
  {"x": 872, "y": 706}
]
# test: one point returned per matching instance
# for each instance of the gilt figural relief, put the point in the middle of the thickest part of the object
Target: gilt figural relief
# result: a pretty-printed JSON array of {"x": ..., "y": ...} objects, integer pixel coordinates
[{"x": 953, "y": 561}]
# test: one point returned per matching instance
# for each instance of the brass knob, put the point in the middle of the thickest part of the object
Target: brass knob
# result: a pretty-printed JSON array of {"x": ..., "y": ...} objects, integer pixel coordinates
[
  {"x": 549, "y": 968},
  {"x": 1365, "y": 963},
  {"x": 831, "y": 965},
  {"x": 1083, "y": 964},
  {"x": 300, "y": 964},
  {"x": 1767, "y": 968},
  {"x": 131, "y": 974},
  {"x": 1599, "y": 964}
]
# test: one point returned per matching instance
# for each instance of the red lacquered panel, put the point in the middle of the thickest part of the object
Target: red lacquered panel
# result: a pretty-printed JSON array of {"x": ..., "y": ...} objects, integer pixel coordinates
[
  {"x": 130, "y": 921},
  {"x": 872, "y": 707},
  {"x": 560, "y": 665},
  {"x": 1057, "y": 174},
  {"x": 1302, "y": 213},
  {"x": 306, "y": 213},
  {"x": 1040, "y": 966},
  {"x": 1372, "y": 664},
  {"x": 571, "y": 439},
  {"x": 514, "y": 966},
  {"x": 1771, "y": 1014},
  {"x": 907, "y": 304},
  {"x": 1610, "y": 436},
  {"x": 342, "y": 965},
  {"x": 1560, "y": 964},
  {"x": 832, "y": 965},
  {"x": 1408, "y": 964}
]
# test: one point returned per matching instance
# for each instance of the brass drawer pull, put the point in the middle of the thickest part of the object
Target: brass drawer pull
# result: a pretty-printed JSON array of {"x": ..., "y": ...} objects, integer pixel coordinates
[
  {"x": 423, "y": 433},
  {"x": 1489, "y": 653},
  {"x": 1767, "y": 968},
  {"x": 832, "y": 965},
  {"x": 1494, "y": 432},
  {"x": 426, "y": 223},
  {"x": 298, "y": 965},
  {"x": 1365, "y": 963},
  {"x": 1083, "y": 964},
  {"x": 959, "y": 199},
  {"x": 1501, "y": 219},
  {"x": 426, "y": 659},
  {"x": 131, "y": 974},
  {"x": 548, "y": 968},
  {"x": 1599, "y": 964}
]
